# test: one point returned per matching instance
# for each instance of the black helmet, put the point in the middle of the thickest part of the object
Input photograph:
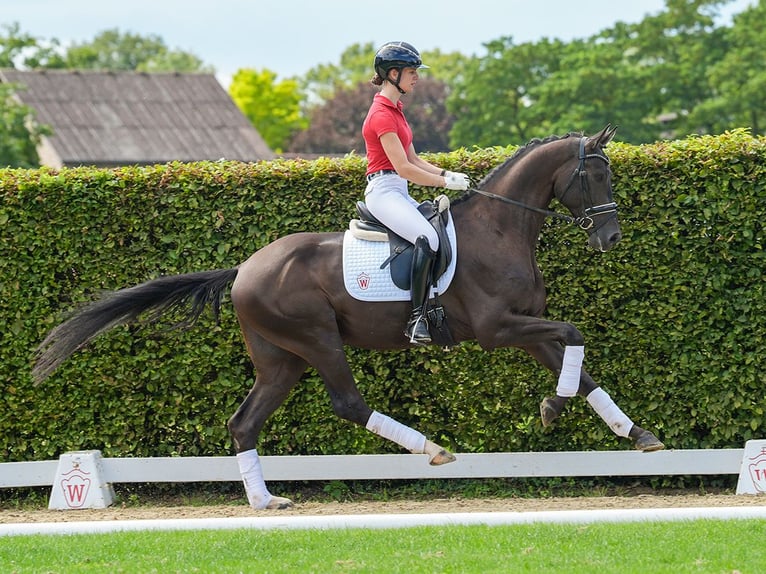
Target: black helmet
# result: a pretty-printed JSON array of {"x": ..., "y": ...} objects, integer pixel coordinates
[{"x": 397, "y": 55}]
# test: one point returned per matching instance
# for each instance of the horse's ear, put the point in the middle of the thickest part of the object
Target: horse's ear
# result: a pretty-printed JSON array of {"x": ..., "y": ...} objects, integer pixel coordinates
[{"x": 604, "y": 136}]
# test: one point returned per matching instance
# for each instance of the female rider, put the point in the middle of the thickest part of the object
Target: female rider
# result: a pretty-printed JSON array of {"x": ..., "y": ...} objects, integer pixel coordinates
[{"x": 392, "y": 162}]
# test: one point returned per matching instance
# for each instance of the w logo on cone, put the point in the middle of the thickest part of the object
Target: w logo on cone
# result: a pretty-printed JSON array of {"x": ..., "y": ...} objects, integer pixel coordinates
[
  {"x": 75, "y": 486},
  {"x": 757, "y": 468},
  {"x": 752, "y": 471},
  {"x": 80, "y": 482}
]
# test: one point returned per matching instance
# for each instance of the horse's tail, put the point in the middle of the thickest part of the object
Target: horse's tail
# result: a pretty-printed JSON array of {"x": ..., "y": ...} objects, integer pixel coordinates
[{"x": 189, "y": 293}]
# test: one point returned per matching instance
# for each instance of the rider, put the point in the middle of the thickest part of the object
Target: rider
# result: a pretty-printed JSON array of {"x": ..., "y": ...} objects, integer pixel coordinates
[{"x": 392, "y": 162}]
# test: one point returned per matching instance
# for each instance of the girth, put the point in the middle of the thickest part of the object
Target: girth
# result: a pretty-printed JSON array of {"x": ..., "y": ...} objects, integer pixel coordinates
[{"x": 400, "y": 259}]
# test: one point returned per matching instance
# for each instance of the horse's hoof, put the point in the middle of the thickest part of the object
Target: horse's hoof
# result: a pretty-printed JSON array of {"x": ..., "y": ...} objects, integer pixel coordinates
[
  {"x": 437, "y": 455},
  {"x": 442, "y": 457},
  {"x": 549, "y": 411},
  {"x": 279, "y": 503},
  {"x": 647, "y": 442}
]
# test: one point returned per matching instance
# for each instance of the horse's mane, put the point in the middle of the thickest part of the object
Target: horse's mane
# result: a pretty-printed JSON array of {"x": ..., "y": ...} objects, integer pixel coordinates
[{"x": 520, "y": 152}]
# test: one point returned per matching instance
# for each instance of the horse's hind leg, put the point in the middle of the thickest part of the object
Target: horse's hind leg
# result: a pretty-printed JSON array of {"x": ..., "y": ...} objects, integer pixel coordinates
[
  {"x": 349, "y": 404},
  {"x": 557, "y": 359},
  {"x": 277, "y": 372},
  {"x": 322, "y": 348}
]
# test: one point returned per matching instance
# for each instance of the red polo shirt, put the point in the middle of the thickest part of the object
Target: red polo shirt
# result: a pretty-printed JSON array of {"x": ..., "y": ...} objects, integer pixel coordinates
[{"x": 383, "y": 117}]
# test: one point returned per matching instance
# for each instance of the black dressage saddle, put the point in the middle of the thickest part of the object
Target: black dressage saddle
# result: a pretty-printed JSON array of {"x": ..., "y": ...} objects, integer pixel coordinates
[{"x": 399, "y": 261}]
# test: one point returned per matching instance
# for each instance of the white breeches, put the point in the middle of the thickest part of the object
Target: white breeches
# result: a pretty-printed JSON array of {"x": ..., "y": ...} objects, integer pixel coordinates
[{"x": 387, "y": 198}]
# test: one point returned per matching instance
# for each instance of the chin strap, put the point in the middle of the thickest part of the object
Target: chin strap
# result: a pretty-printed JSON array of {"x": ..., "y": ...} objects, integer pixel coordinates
[{"x": 398, "y": 79}]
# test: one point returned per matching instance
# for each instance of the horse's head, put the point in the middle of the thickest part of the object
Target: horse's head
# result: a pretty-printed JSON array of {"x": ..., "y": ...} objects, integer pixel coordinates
[{"x": 586, "y": 190}]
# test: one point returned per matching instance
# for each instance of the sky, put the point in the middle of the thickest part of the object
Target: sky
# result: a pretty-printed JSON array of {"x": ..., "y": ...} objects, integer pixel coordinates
[{"x": 290, "y": 37}]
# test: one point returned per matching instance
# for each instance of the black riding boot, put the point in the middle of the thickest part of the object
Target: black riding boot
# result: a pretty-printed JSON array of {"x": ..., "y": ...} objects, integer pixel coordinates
[{"x": 420, "y": 285}]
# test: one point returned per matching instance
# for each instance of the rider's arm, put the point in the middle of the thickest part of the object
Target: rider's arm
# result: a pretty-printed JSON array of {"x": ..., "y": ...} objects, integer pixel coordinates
[
  {"x": 421, "y": 163},
  {"x": 407, "y": 163}
]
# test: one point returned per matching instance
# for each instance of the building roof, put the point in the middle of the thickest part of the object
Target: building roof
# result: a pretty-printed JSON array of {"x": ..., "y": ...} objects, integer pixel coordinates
[{"x": 125, "y": 118}]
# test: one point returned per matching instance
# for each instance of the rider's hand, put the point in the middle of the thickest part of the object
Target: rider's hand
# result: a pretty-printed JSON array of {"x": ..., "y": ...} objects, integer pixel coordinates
[{"x": 456, "y": 181}]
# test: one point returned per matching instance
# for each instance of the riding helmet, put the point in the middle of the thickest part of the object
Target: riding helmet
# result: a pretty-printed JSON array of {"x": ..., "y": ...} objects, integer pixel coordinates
[{"x": 397, "y": 55}]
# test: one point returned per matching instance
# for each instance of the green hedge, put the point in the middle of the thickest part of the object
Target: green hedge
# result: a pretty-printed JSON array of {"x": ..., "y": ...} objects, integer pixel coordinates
[{"x": 673, "y": 317}]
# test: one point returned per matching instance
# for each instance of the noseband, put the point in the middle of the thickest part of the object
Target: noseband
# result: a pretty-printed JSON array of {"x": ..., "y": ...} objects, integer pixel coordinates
[{"x": 586, "y": 222}]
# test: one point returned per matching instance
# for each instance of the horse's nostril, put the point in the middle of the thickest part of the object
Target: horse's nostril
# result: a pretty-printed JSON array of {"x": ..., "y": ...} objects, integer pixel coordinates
[{"x": 615, "y": 238}]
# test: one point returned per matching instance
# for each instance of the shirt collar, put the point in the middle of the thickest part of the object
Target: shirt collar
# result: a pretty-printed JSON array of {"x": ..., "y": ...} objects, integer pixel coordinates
[{"x": 386, "y": 102}]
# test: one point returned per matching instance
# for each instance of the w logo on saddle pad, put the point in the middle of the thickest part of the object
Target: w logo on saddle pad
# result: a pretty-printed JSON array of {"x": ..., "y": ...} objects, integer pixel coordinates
[{"x": 367, "y": 278}]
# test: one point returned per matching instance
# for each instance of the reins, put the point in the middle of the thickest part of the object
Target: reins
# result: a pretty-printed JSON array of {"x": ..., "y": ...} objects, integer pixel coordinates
[
  {"x": 585, "y": 222},
  {"x": 582, "y": 222}
]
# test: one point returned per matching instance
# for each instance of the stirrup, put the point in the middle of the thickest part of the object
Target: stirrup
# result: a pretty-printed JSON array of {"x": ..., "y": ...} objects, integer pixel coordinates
[{"x": 417, "y": 331}]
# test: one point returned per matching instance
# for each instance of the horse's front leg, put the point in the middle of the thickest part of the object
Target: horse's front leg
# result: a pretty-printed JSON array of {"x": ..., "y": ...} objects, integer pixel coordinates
[
  {"x": 566, "y": 362},
  {"x": 560, "y": 347}
]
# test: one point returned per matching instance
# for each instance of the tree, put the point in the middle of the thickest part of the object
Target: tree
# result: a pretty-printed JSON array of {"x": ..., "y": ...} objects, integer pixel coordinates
[
  {"x": 18, "y": 49},
  {"x": 595, "y": 83},
  {"x": 636, "y": 75},
  {"x": 736, "y": 82},
  {"x": 493, "y": 102},
  {"x": 670, "y": 55},
  {"x": 356, "y": 66},
  {"x": 18, "y": 142},
  {"x": 273, "y": 107},
  {"x": 337, "y": 97},
  {"x": 428, "y": 116},
  {"x": 448, "y": 68},
  {"x": 114, "y": 50},
  {"x": 336, "y": 125},
  {"x": 324, "y": 81}
]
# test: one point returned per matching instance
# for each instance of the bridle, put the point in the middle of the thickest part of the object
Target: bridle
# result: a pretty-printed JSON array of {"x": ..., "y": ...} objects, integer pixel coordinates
[{"x": 586, "y": 222}]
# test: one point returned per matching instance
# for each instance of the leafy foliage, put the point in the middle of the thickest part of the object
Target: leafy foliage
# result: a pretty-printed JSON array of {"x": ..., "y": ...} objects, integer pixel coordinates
[
  {"x": 115, "y": 50},
  {"x": 273, "y": 107},
  {"x": 672, "y": 74},
  {"x": 355, "y": 66},
  {"x": 18, "y": 141},
  {"x": 336, "y": 126},
  {"x": 737, "y": 86},
  {"x": 339, "y": 95},
  {"x": 494, "y": 102},
  {"x": 24, "y": 50},
  {"x": 323, "y": 82},
  {"x": 673, "y": 317}
]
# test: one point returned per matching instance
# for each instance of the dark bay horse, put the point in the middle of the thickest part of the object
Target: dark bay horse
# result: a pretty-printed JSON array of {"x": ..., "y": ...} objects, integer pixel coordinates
[{"x": 294, "y": 311}]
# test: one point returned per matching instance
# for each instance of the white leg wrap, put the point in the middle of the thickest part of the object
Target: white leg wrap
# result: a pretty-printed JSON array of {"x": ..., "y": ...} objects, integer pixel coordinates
[
  {"x": 569, "y": 379},
  {"x": 606, "y": 408},
  {"x": 402, "y": 435},
  {"x": 252, "y": 475}
]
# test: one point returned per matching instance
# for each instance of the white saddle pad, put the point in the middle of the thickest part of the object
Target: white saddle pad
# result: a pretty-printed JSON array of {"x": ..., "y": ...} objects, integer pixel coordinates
[{"x": 366, "y": 281}]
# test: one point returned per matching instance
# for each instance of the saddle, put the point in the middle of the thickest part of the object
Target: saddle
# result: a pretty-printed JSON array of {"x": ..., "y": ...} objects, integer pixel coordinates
[{"x": 368, "y": 228}]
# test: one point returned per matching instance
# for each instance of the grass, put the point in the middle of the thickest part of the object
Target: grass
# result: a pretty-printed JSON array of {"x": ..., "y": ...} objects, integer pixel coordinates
[{"x": 706, "y": 546}]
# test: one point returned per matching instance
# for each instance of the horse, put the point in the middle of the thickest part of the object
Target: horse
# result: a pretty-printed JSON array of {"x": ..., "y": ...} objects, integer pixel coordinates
[{"x": 294, "y": 312}]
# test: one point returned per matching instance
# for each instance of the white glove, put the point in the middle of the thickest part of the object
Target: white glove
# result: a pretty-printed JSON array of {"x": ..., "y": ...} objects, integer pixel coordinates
[{"x": 456, "y": 181}]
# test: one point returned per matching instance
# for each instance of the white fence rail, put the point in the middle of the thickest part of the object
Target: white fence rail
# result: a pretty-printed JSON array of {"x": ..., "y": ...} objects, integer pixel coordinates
[{"x": 395, "y": 466}]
